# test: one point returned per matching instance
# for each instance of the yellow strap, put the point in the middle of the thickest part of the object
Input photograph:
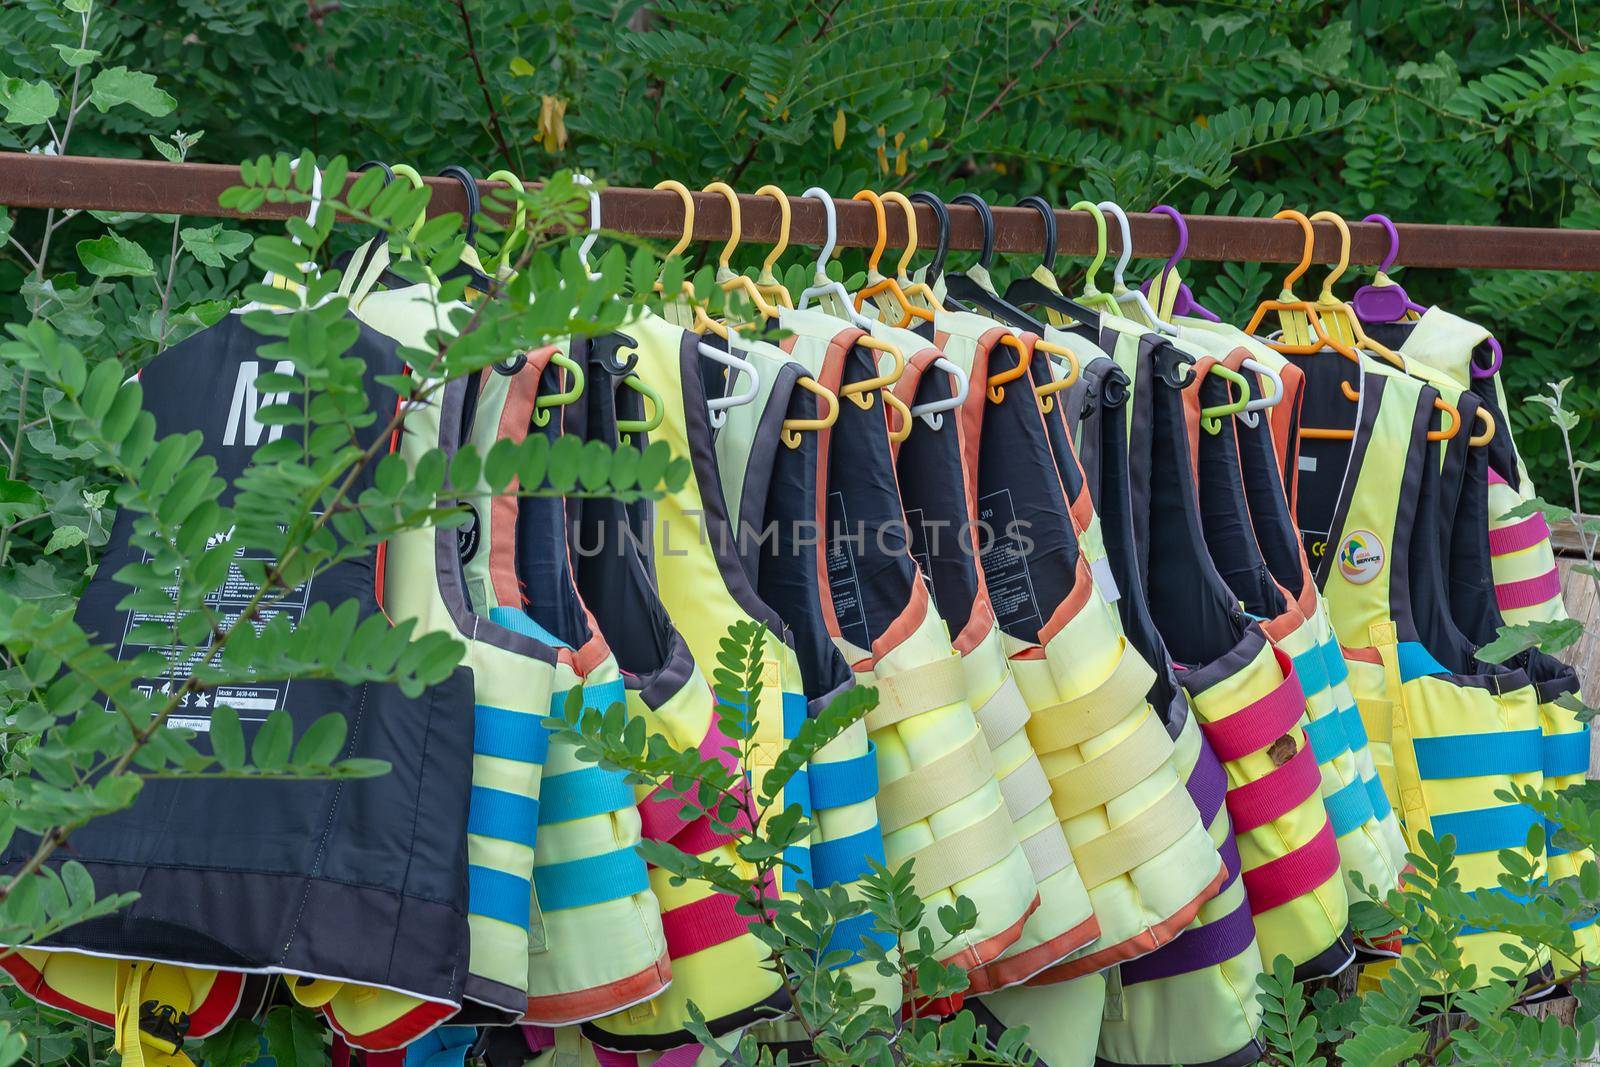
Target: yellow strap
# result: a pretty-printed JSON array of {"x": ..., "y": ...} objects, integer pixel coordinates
[
  {"x": 1072, "y": 722},
  {"x": 1025, "y": 788},
  {"x": 953, "y": 776},
  {"x": 139, "y": 1048},
  {"x": 313, "y": 992},
  {"x": 964, "y": 853},
  {"x": 1408, "y": 777},
  {"x": 1047, "y": 851},
  {"x": 1003, "y": 714},
  {"x": 1113, "y": 772},
  {"x": 914, "y": 691},
  {"x": 1139, "y": 840}
]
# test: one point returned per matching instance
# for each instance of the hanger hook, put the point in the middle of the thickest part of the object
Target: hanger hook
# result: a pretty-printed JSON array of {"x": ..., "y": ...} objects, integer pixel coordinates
[
  {"x": 1051, "y": 235},
  {"x": 941, "y": 215},
  {"x": 1305, "y": 253},
  {"x": 986, "y": 217},
  {"x": 830, "y": 230},
  {"x": 1100, "y": 239},
  {"x": 594, "y": 218},
  {"x": 412, "y": 175},
  {"x": 735, "y": 229},
  {"x": 767, "y": 277},
  {"x": 1394, "y": 240},
  {"x": 688, "y": 214},
  {"x": 1183, "y": 241},
  {"x": 1344, "y": 253},
  {"x": 894, "y": 196},
  {"x": 388, "y": 171},
  {"x": 883, "y": 229},
  {"x": 1126, "y": 245},
  {"x": 519, "y": 216},
  {"x": 474, "y": 198}
]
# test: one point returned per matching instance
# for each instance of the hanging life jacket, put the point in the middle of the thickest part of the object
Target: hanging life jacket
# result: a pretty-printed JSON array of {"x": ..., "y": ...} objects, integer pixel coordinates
[
  {"x": 1245, "y": 691},
  {"x": 1447, "y": 731},
  {"x": 1205, "y": 976},
  {"x": 939, "y": 800},
  {"x": 353, "y": 889},
  {"x": 939, "y": 507}
]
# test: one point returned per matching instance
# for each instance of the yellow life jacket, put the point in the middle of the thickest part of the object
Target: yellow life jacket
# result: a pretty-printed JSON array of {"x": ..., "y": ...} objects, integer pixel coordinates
[{"x": 941, "y": 508}]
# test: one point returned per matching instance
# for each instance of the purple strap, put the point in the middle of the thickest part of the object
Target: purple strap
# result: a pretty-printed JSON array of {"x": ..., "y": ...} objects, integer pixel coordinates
[
  {"x": 1195, "y": 949},
  {"x": 1207, "y": 784}
]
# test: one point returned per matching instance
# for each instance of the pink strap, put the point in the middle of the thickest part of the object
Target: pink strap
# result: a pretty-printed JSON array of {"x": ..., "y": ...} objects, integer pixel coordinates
[
  {"x": 607, "y": 1058},
  {"x": 1257, "y": 725},
  {"x": 1529, "y": 591},
  {"x": 682, "y": 1056},
  {"x": 1522, "y": 534},
  {"x": 709, "y": 921},
  {"x": 1279, "y": 881},
  {"x": 1495, "y": 479},
  {"x": 661, "y": 818},
  {"x": 538, "y": 1038},
  {"x": 1274, "y": 794}
]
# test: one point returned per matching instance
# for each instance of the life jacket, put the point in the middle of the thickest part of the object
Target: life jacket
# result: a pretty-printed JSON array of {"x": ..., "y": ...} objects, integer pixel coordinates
[
  {"x": 1245, "y": 691},
  {"x": 354, "y": 887},
  {"x": 1205, "y": 976},
  {"x": 939, "y": 799},
  {"x": 1134, "y": 832},
  {"x": 705, "y": 588},
  {"x": 939, "y": 507},
  {"x": 1527, "y": 584},
  {"x": 570, "y": 1046},
  {"x": 1447, "y": 731},
  {"x": 1256, "y": 548}
]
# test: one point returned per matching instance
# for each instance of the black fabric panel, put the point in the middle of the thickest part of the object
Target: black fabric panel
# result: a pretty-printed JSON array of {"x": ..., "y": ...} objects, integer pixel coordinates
[
  {"x": 544, "y": 567},
  {"x": 363, "y": 880},
  {"x": 1224, "y": 513},
  {"x": 1323, "y": 462},
  {"x": 1067, "y": 461},
  {"x": 931, "y": 488},
  {"x": 1270, "y": 517}
]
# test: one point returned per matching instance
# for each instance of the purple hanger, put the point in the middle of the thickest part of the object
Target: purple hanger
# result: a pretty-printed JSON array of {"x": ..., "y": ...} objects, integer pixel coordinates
[
  {"x": 1390, "y": 302},
  {"x": 1184, "y": 303}
]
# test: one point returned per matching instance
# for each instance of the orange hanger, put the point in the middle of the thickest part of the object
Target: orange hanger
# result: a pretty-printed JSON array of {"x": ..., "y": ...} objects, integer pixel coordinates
[
  {"x": 901, "y": 270},
  {"x": 997, "y": 382},
  {"x": 1287, "y": 303},
  {"x": 792, "y": 428},
  {"x": 877, "y": 282}
]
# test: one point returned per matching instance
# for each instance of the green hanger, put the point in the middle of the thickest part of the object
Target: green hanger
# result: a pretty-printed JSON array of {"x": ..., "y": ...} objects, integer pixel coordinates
[
  {"x": 653, "y": 405},
  {"x": 1211, "y": 418},
  {"x": 542, "y": 405},
  {"x": 1092, "y": 296},
  {"x": 519, "y": 220}
]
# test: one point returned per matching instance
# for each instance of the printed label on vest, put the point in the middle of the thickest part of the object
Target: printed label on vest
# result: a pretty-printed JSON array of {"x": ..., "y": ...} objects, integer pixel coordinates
[
  {"x": 242, "y": 428},
  {"x": 1361, "y": 557},
  {"x": 844, "y": 583},
  {"x": 253, "y": 702},
  {"x": 1316, "y": 545},
  {"x": 1005, "y": 562}
]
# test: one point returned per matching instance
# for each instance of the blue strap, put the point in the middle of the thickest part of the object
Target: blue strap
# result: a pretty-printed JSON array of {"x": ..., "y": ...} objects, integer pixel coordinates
[
  {"x": 1333, "y": 659},
  {"x": 581, "y": 793},
  {"x": 1475, "y": 755},
  {"x": 797, "y": 790},
  {"x": 850, "y": 781},
  {"x": 1312, "y": 669},
  {"x": 1416, "y": 661},
  {"x": 498, "y": 895},
  {"x": 1566, "y": 754},
  {"x": 1488, "y": 829},
  {"x": 1468, "y": 929},
  {"x": 797, "y": 867},
  {"x": 443, "y": 1046},
  {"x": 1349, "y": 808},
  {"x": 795, "y": 712},
  {"x": 849, "y": 933},
  {"x": 1355, "y": 731},
  {"x": 506, "y": 816},
  {"x": 1380, "y": 799},
  {"x": 505, "y": 734},
  {"x": 1327, "y": 737},
  {"x": 518, "y": 621},
  {"x": 596, "y": 696},
  {"x": 591, "y": 880},
  {"x": 844, "y": 859}
]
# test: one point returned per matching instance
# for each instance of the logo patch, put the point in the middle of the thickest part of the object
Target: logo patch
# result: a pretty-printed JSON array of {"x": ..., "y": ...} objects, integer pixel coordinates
[{"x": 1361, "y": 557}]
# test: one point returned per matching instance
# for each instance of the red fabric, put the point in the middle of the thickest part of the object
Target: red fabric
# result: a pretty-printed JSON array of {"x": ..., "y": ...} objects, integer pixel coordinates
[
  {"x": 1522, "y": 534},
  {"x": 1529, "y": 591},
  {"x": 1276, "y": 793},
  {"x": 709, "y": 921},
  {"x": 661, "y": 818},
  {"x": 1257, "y": 725},
  {"x": 1279, "y": 881}
]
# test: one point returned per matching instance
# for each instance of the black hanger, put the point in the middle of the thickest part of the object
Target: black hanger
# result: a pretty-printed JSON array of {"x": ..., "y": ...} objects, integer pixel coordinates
[
  {"x": 966, "y": 289},
  {"x": 605, "y": 350},
  {"x": 1030, "y": 292},
  {"x": 345, "y": 261},
  {"x": 942, "y": 249},
  {"x": 478, "y": 279}
]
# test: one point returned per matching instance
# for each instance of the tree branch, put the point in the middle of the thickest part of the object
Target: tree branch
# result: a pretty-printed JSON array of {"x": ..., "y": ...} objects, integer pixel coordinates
[{"x": 483, "y": 84}]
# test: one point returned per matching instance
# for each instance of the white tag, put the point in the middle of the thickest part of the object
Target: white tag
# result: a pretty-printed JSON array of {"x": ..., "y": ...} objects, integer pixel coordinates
[
  {"x": 1308, "y": 463},
  {"x": 1104, "y": 580}
]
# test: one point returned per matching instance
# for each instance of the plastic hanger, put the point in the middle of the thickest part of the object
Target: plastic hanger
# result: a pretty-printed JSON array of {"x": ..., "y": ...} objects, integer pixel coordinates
[
  {"x": 1172, "y": 293},
  {"x": 1091, "y": 295},
  {"x": 1041, "y": 290},
  {"x": 727, "y": 277},
  {"x": 718, "y": 406},
  {"x": 519, "y": 219},
  {"x": 821, "y": 284},
  {"x": 1288, "y": 305},
  {"x": 901, "y": 271},
  {"x": 469, "y": 264},
  {"x": 412, "y": 175},
  {"x": 934, "y": 272},
  {"x": 589, "y": 238},
  {"x": 271, "y": 278},
  {"x": 793, "y": 428},
  {"x": 895, "y": 404},
  {"x": 877, "y": 282},
  {"x": 767, "y": 281},
  {"x": 1120, "y": 291}
]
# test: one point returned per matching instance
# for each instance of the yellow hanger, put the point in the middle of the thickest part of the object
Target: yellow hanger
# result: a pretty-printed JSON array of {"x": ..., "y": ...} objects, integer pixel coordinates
[
  {"x": 1288, "y": 304},
  {"x": 727, "y": 278},
  {"x": 1046, "y": 392},
  {"x": 687, "y": 297},
  {"x": 895, "y": 404},
  {"x": 1337, "y": 316},
  {"x": 792, "y": 428},
  {"x": 877, "y": 282},
  {"x": 901, "y": 269},
  {"x": 768, "y": 282},
  {"x": 860, "y": 393}
]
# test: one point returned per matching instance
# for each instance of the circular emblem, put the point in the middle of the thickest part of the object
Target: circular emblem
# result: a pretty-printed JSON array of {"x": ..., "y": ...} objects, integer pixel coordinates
[
  {"x": 1361, "y": 557},
  {"x": 467, "y": 536}
]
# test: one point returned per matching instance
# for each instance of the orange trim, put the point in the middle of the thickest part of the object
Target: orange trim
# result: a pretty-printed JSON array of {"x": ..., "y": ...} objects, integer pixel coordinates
[
  {"x": 980, "y": 620},
  {"x": 397, "y": 1033},
  {"x": 1011, "y": 970},
  {"x": 1067, "y": 610},
  {"x": 1362, "y": 655},
  {"x": 515, "y": 416},
  {"x": 1150, "y": 939},
  {"x": 990, "y": 948},
  {"x": 1280, "y": 627},
  {"x": 564, "y": 1009}
]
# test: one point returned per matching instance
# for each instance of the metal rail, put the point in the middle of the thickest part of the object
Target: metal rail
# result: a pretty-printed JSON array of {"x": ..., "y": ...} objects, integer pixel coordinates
[{"x": 39, "y": 181}]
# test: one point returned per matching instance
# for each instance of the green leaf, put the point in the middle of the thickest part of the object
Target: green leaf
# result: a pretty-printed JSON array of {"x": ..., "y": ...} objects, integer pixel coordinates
[
  {"x": 65, "y": 537},
  {"x": 119, "y": 85},
  {"x": 27, "y": 103},
  {"x": 1550, "y": 636},
  {"x": 295, "y": 1036},
  {"x": 77, "y": 57},
  {"x": 270, "y": 750},
  {"x": 114, "y": 256},
  {"x": 321, "y": 743},
  {"x": 227, "y": 738},
  {"x": 213, "y": 245},
  {"x": 236, "y": 1045}
]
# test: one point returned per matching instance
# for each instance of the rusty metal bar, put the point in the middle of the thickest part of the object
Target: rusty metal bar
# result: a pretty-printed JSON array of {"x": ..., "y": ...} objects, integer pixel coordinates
[{"x": 38, "y": 181}]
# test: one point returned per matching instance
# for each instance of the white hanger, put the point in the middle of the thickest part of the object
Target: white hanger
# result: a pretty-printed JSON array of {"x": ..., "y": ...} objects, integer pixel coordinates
[
  {"x": 930, "y": 412},
  {"x": 1119, "y": 285},
  {"x": 821, "y": 284},
  {"x": 311, "y": 217},
  {"x": 1248, "y": 416},
  {"x": 717, "y": 406},
  {"x": 594, "y": 224}
]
